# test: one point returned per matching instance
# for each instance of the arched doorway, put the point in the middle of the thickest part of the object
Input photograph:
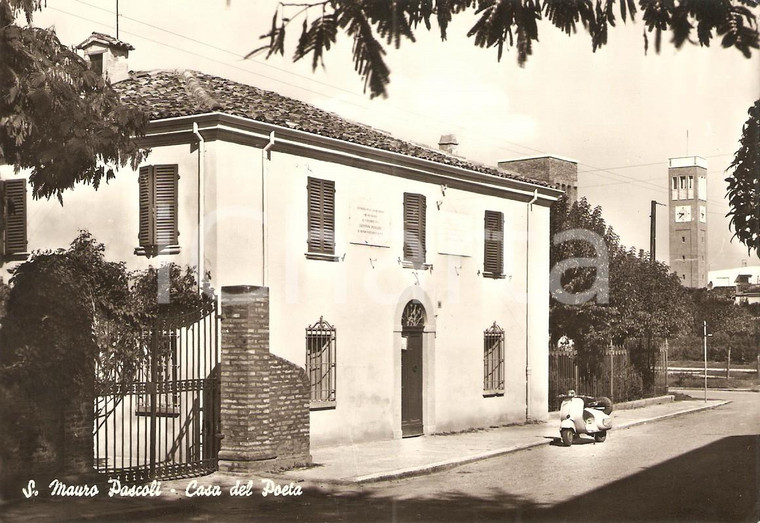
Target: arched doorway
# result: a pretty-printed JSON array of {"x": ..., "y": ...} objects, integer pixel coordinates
[{"x": 412, "y": 326}]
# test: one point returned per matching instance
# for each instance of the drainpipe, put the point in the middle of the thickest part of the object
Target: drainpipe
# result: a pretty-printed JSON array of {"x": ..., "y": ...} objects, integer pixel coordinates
[
  {"x": 201, "y": 206},
  {"x": 528, "y": 210},
  {"x": 264, "y": 261}
]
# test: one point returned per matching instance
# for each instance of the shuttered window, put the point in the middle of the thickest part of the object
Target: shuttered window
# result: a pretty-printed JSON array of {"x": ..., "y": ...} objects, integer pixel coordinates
[
  {"x": 493, "y": 361},
  {"x": 321, "y": 216},
  {"x": 414, "y": 228},
  {"x": 14, "y": 216},
  {"x": 158, "y": 207},
  {"x": 493, "y": 255}
]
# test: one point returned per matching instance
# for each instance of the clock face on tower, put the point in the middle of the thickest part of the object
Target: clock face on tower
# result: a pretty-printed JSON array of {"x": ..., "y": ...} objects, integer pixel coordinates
[
  {"x": 683, "y": 213},
  {"x": 702, "y": 214}
]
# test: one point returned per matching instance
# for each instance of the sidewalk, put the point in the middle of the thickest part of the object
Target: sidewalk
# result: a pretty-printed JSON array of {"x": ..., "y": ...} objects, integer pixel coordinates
[
  {"x": 390, "y": 459},
  {"x": 350, "y": 464}
]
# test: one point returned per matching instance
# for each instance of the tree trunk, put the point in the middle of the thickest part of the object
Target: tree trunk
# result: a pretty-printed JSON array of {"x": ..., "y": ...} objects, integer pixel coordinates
[{"x": 728, "y": 364}]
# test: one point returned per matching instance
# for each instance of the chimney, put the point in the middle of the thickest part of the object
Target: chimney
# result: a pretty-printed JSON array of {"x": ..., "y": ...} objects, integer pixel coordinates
[
  {"x": 107, "y": 56},
  {"x": 448, "y": 144}
]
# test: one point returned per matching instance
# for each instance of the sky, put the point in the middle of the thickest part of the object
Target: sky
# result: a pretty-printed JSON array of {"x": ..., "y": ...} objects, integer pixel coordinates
[{"x": 620, "y": 113}]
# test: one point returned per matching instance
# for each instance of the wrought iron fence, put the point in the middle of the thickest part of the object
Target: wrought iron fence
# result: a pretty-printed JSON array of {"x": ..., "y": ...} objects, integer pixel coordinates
[
  {"x": 160, "y": 420},
  {"x": 626, "y": 372}
]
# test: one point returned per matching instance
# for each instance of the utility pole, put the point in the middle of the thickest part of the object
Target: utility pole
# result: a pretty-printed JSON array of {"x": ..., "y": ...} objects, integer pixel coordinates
[
  {"x": 704, "y": 336},
  {"x": 653, "y": 230},
  {"x": 117, "y": 19}
]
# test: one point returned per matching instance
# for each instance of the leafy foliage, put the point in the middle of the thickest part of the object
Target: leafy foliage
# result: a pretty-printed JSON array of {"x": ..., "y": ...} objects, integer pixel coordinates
[
  {"x": 57, "y": 117},
  {"x": 744, "y": 184},
  {"x": 645, "y": 300},
  {"x": 5, "y": 292},
  {"x": 509, "y": 24},
  {"x": 503, "y": 24},
  {"x": 70, "y": 310}
]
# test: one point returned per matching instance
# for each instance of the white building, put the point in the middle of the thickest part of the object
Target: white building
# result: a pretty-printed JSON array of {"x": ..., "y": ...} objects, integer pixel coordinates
[
  {"x": 412, "y": 284},
  {"x": 742, "y": 282}
]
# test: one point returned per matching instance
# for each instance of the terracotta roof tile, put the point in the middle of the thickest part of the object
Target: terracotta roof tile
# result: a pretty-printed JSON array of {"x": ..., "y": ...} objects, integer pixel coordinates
[
  {"x": 105, "y": 40},
  {"x": 168, "y": 94}
]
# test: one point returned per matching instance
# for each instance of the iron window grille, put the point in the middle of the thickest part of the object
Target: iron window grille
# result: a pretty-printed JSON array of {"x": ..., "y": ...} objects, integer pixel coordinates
[
  {"x": 493, "y": 361},
  {"x": 493, "y": 245},
  {"x": 167, "y": 373},
  {"x": 320, "y": 363},
  {"x": 413, "y": 315}
]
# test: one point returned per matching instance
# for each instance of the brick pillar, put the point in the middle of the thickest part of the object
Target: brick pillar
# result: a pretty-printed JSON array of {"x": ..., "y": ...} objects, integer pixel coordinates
[
  {"x": 77, "y": 447},
  {"x": 245, "y": 381}
]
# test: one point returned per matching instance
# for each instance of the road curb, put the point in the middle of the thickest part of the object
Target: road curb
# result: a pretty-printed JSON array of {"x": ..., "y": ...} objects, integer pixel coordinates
[
  {"x": 441, "y": 465},
  {"x": 456, "y": 462},
  {"x": 672, "y": 415}
]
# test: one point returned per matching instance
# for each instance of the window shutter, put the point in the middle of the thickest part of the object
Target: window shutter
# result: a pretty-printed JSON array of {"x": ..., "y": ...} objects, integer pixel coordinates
[
  {"x": 15, "y": 216},
  {"x": 321, "y": 216},
  {"x": 494, "y": 243},
  {"x": 147, "y": 234},
  {"x": 165, "y": 204},
  {"x": 414, "y": 227}
]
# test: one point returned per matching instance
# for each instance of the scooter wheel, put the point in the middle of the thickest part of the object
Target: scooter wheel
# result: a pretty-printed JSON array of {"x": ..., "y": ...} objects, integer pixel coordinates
[
  {"x": 606, "y": 403},
  {"x": 599, "y": 437},
  {"x": 567, "y": 436}
]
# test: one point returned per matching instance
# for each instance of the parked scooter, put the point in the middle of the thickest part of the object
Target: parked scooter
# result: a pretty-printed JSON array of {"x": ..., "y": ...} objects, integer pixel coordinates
[{"x": 584, "y": 415}]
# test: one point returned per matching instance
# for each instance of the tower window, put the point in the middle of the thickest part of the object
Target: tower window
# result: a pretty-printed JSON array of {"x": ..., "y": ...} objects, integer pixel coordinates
[{"x": 683, "y": 239}]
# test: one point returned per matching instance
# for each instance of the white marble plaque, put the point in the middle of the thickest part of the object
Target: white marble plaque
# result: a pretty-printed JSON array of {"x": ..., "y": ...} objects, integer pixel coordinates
[{"x": 369, "y": 224}]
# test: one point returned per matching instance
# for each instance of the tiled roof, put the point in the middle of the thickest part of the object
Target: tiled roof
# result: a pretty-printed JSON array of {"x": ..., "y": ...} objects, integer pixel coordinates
[
  {"x": 105, "y": 40},
  {"x": 168, "y": 94}
]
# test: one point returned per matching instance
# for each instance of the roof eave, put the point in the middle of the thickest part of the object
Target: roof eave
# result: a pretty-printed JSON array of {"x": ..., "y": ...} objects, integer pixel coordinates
[{"x": 216, "y": 125}]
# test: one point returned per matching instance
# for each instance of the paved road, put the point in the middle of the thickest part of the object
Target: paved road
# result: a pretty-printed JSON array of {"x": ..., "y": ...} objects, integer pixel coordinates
[{"x": 700, "y": 467}]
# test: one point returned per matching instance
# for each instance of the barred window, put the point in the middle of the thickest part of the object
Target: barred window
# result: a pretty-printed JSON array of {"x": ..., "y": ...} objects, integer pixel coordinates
[
  {"x": 493, "y": 361},
  {"x": 320, "y": 363}
]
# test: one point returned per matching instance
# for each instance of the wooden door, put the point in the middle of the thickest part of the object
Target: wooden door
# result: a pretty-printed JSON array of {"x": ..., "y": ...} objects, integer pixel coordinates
[{"x": 411, "y": 386}]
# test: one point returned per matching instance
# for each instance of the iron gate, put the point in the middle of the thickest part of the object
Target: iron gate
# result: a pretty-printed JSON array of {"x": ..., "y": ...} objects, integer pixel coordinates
[
  {"x": 617, "y": 376},
  {"x": 160, "y": 420}
]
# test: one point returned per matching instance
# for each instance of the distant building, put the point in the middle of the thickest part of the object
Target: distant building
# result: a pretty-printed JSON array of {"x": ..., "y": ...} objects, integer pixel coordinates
[
  {"x": 687, "y": 179},
  {"x": 743, "y": 283},
  {"x": 561, "y": 173}
]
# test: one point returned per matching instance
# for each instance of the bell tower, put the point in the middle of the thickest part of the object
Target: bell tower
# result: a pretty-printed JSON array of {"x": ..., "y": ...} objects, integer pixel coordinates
[{"x": 687, "y": 181}]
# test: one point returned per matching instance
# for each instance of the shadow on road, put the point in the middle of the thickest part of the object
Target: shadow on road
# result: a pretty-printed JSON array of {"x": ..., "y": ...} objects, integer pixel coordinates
[{"x": 717, "y": 482}]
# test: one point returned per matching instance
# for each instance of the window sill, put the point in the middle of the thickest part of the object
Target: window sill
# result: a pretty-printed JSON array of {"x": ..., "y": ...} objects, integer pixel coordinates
[
  {"x": 16, "y": 256},
  {"x": 165, "y": 411},
  {"x": 494, "y": 276},
  {"x": 416, "y": 265},
  {"x": 493, "y": 393},
  {"x": 322, "y": 405},
  {"x": 321, "y": 256},
  {"x": 154, "y": 250}
]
